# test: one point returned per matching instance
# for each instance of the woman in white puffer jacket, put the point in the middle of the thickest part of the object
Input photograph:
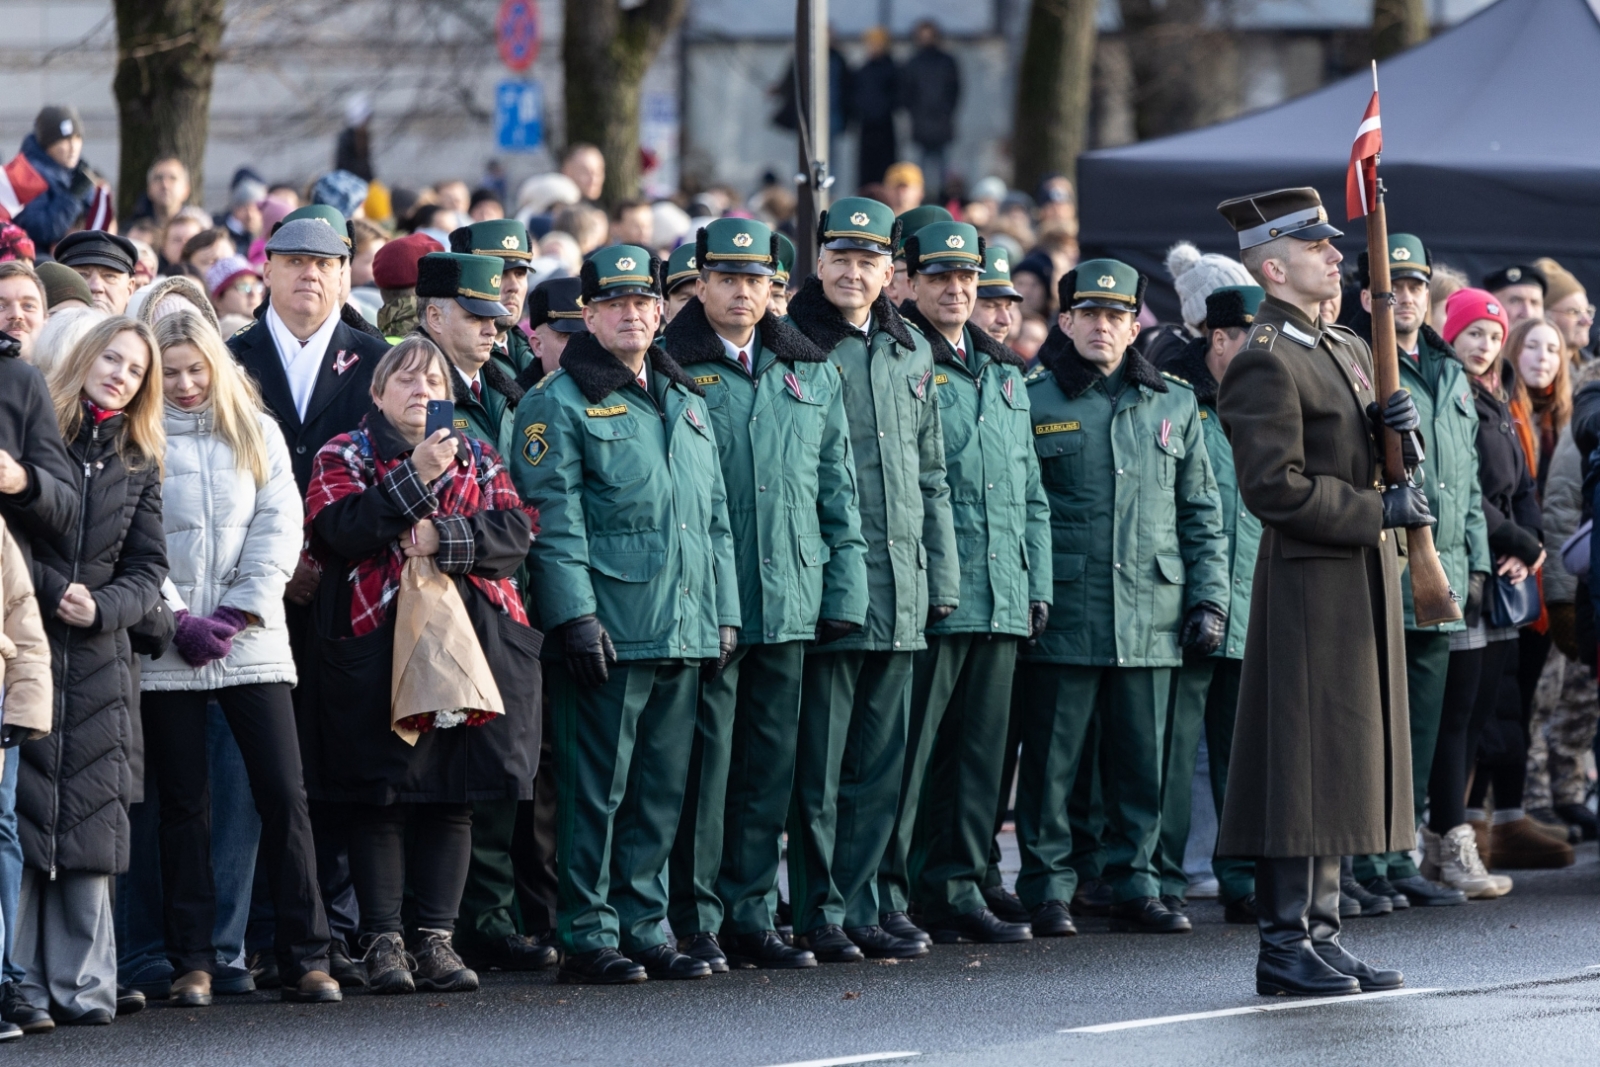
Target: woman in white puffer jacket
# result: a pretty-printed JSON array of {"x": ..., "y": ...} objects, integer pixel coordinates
[{"x": 233, "y": 520}]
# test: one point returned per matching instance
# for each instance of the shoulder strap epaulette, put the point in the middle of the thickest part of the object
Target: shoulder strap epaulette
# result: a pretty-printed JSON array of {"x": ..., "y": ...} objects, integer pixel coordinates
[
  {"x": 1181, "y": 381},
  {"x": 1262, "y": 335}
]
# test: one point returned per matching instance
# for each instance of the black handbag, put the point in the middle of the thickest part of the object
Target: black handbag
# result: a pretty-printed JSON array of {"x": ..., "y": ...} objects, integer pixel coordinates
[{"x": 1514, "y": 605}]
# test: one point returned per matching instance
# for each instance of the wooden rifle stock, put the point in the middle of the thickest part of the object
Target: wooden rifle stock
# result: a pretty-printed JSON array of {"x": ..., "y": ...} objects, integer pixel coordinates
[{"x": 1431, "y": 597}]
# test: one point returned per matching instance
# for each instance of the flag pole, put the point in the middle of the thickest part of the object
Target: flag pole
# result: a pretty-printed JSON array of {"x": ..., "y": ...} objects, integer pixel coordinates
[{"x": 1432, "y": 598}]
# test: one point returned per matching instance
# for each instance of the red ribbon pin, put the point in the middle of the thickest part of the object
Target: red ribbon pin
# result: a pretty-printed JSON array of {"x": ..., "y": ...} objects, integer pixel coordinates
[
  {"x": 344, "y": 361},
  {"x": 794, "y": 385},
  {"x": 1166, "y": 432}
]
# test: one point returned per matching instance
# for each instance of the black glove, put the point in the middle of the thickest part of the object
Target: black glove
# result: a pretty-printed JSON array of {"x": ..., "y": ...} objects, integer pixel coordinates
[
  {"x": 588, "y": 650},
  {"x": 1399, "y": 415},
  {"x": 1406, "y": 505},
  {"x": 1472, "y": 610},
  {"x": 1204, "y": 629},
  {"x": 727, "y": 642},
  {"x": 831, "y": 630},
  {"x": 938, "y": 613},
  {"x": 11, "y": 736},
  {"x": 1038, "y": 619}
]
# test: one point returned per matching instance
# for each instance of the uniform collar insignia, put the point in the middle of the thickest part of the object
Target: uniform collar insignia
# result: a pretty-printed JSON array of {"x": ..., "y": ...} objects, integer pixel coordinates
[{"x": 1295, "y": 333}]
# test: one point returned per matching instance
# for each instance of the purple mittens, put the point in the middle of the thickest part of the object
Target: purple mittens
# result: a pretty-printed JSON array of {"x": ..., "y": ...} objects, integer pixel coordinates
[{"x": 203, "y": 639}]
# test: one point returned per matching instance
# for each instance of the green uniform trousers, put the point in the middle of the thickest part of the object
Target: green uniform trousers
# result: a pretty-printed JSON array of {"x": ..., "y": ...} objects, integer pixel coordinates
[
  {"x": 1236, "y": 878},
  {"x": 618, "y": 815},
  {"x": 854, "y": 708},
  {"x": 724, "y": 867},
  {"x": 1086, "y": 810},
  {"x": 1131, "y": 703},
  {"x": 1427, "y": 664},
  {"x": 489, "y": 901},
  {"x": 992, "y": 878},
  {"x": 939, "y": 857}
]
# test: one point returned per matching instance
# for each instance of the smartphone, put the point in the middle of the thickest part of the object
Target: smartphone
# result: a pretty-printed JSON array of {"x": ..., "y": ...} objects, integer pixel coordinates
[{"x": 441, "y": 416}]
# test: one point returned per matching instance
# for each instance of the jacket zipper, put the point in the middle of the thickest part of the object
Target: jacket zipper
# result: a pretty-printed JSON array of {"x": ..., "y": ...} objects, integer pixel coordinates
[{"x": 66, "y": 650}]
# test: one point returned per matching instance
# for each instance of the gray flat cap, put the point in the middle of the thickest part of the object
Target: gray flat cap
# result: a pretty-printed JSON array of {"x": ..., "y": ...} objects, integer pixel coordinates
[{"x": 308, "y": 237}]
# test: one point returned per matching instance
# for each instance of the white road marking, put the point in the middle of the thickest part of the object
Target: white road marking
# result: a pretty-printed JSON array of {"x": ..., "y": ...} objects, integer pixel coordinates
[
  {"x": 843, "y": 1061},
  {"x": 1163, "y": 1020}
]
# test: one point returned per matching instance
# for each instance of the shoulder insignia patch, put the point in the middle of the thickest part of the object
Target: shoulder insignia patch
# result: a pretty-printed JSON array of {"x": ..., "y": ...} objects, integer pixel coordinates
[
  {"x": 707, "y": 379},
  {"x": 941, "y": 379},
  {"x": 606, "y": 413},
  {"x": 1203, "y": 414},
  {"x": 1043, "y": 428},
  {"x": 462, "y": 424},
  {"x": 535, "y": 448},
  {"x": 1264, "y": 335}
]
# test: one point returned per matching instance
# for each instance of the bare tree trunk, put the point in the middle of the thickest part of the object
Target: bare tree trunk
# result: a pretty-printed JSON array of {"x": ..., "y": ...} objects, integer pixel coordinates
[
  {"x": 1052, "y": 113},
  {"x": 606, "y": 52},
  {"x": 1182, "y": 65},
  {"x": 1397, "y": 25},
  {"x": 166, "y": 55}
]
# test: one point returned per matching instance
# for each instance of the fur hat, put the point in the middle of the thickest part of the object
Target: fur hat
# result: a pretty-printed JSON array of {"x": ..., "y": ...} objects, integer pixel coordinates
[
  {"x": 1559, "y": 281},
  {"x": 1195, "y": 276}
]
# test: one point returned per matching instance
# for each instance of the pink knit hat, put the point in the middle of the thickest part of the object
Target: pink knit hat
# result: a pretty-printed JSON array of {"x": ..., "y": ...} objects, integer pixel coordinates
[{"x": 1466, "y": 306}]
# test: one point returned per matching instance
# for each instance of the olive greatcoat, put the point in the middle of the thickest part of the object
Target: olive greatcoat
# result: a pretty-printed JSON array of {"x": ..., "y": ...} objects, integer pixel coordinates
[{"x": 1322, "y": 722}]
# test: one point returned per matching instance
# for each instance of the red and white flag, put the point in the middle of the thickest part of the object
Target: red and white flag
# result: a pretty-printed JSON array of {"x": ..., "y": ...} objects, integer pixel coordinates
[
  {"x": 1361, "y": 181},
  {"x": 19, "y": 183}
]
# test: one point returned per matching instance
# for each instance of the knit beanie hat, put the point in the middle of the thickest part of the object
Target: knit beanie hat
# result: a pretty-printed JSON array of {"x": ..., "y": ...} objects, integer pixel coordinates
[
  {"x": 225, "y": 271},
  {"x": 1559, "y": 281},
  {"x": 1196, "y": 276},
  {"x": 341, "y": 190},
  {"x": 1467, "y": 306}
]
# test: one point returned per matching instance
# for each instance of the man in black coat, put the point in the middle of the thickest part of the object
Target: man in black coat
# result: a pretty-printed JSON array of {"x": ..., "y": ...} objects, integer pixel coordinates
[
  {"x": 875, "y": 88},
  {"x": 315, "y": 375},
  {"x": 930, "y": 89}
]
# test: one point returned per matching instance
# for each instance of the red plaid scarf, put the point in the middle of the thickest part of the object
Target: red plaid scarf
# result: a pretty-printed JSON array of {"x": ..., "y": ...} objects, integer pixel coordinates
[{"x": 348, "y": 464}]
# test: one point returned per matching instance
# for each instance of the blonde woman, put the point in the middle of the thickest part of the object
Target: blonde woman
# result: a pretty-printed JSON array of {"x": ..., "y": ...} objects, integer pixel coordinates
[
  {"x": 93, "y": 583},
  {"x": 233, "y": 521}
]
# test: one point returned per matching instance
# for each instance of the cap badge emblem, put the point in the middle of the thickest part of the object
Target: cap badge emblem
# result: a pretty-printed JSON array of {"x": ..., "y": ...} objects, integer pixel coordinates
[
  {"x": 743, "y": 240},
  {"x": 1400, "y": 254},
  {"x": 955, "y": 240},
  {"x": 860, "y": 218},
  {"x": 495, "y": 281},
  {"x": 1106, "y": 281},
  {"x": 1514, "y": 274},
  {"x": 690, "y": 262},
  {"x": 626, "y": 263},
  {"x": 508, "y": 241},
  {"x": 1322, "y": 214},
  {"x": 1492, "y": 308},
  {"x": 1001, "y": 266}
]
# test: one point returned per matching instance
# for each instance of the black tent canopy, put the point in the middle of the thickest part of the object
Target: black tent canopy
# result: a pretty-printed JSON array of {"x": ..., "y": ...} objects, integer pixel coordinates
[{"x": 1491, "y": 155}]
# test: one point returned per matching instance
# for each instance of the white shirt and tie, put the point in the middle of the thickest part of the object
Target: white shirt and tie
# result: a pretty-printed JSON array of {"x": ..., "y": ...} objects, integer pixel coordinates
[
  {"x": 302, "y": 360},
  {"x": 739, "y": 354}
]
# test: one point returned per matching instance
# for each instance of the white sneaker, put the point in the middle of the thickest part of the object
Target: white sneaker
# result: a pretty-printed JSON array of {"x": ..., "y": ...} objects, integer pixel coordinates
[{"x": 1460, "y": 867}]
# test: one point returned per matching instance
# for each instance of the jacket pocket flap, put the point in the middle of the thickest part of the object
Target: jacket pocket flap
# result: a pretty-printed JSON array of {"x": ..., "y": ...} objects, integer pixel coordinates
[
  {"x": 611, "y": 428},
  {"x": 1171, "y": 568},
  {"x": 814, "y": 551},
  {"x": 1050, "y": 443},
  {"x": 1067, "y": 566},
  {"x": 1465, "y": 405},
  {"x": 1173, "y": 445},
  {"x": 1292, "y": 548},
  {"x": 629, "y": 558}
]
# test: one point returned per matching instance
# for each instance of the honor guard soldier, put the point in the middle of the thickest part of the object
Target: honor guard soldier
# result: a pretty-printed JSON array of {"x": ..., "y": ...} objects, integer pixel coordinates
[
  {"x": 633, "y": 575},
  {"x": 779, "y": 416},
  {"x": 780, "y": 276},
  {"x": 961, "y": 684},
  {"x": 1321, "y": 722},
  {"x": 997, "y": 311},
  {"x": 458, "y": 309},
  {"x": 1205, "y": 691},
  {"x": 854, "y": 700},
  {"x": 1436, "y": 677},
  {"x": 1140, "y": 574},
  {"x": 507, "y": 240},
  {"x": 678, "y": 280},
  {"x": 554, "y": 315}
]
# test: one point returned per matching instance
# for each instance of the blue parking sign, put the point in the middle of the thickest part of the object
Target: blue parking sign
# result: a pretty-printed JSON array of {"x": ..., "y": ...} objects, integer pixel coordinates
[{"x": 519, "y": 115}]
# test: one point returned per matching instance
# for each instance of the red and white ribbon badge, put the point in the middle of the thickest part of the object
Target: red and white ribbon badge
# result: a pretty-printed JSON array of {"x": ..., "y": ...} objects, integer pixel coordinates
[
  {"x": 794, "y": 385},
  {"x": 1361, "y": 375},
  {"x": 1166, "y": 432},
  {"x": 344, "y": 361}
]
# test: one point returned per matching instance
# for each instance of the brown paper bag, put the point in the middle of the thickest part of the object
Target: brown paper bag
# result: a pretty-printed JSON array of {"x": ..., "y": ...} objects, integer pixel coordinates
[{"x": 438, "y": 666}]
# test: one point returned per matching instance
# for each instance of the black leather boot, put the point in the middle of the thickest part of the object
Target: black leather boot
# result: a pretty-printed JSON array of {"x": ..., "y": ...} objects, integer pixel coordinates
[
  {"x": 1287, "y": 964},
  {"x": 1322, "y": 922}
]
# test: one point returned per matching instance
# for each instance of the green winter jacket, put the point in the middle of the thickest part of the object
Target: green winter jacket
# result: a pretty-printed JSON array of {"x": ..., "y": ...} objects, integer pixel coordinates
[
  {"x": 491, "y": 418},
  {"x": 1134, "y": 510},
  {"x": 515, "y": 354},
  {"x": 632, "y": 515},
  {"x": 900, "y": 476},
  {"x": 1000, "y": 513},
  {"x": 791, "y": 483},
  {"x": 1243, "y": 529}
]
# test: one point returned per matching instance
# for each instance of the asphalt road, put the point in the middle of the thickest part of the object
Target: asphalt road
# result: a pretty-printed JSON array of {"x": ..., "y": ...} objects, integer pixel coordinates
[{"x": 1517, "y": 981}]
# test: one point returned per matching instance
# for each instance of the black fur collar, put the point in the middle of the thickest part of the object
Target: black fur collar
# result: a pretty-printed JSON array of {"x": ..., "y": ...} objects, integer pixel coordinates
[
  {"x": 820, "y": 321},
  {"x": 598, "y": 373},
  {"x": 1075, "y": 375},
  {"x": 691, "y": 338},
  {"x": 944, "y": 351},
  {"x": 492, "y": 376},
  {"x": 1189, "y": 363}
]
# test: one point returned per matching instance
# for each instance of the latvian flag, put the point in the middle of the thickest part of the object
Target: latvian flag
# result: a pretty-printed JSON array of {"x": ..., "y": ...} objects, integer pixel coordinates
[
  {"x": 1361, "y": 182},
  {"x": 19, "y": 183}
]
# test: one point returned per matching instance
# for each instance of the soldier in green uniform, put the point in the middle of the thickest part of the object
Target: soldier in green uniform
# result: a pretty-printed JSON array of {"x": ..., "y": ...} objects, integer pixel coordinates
[
  {"x": 1140, "y": 567},
  {"x": 1434, "y": 674},
  {"x": 508, "y": 240},
  {"x": 554, "y": 315},
  {"x": 997, "y": 309},
  {"x": 1205, "y": 691},
  {"x": 678, "y": 280},
  {"x": 780, "y": 276},
  {"x": 907, "y": 223},
  {"x": 961, "y": 684},
  {"x": 855, "y": 699},
  {"x": 633, "y": 576},
  {"x": 778, "y": 411},
  {"x": 457, "y": 309}
]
